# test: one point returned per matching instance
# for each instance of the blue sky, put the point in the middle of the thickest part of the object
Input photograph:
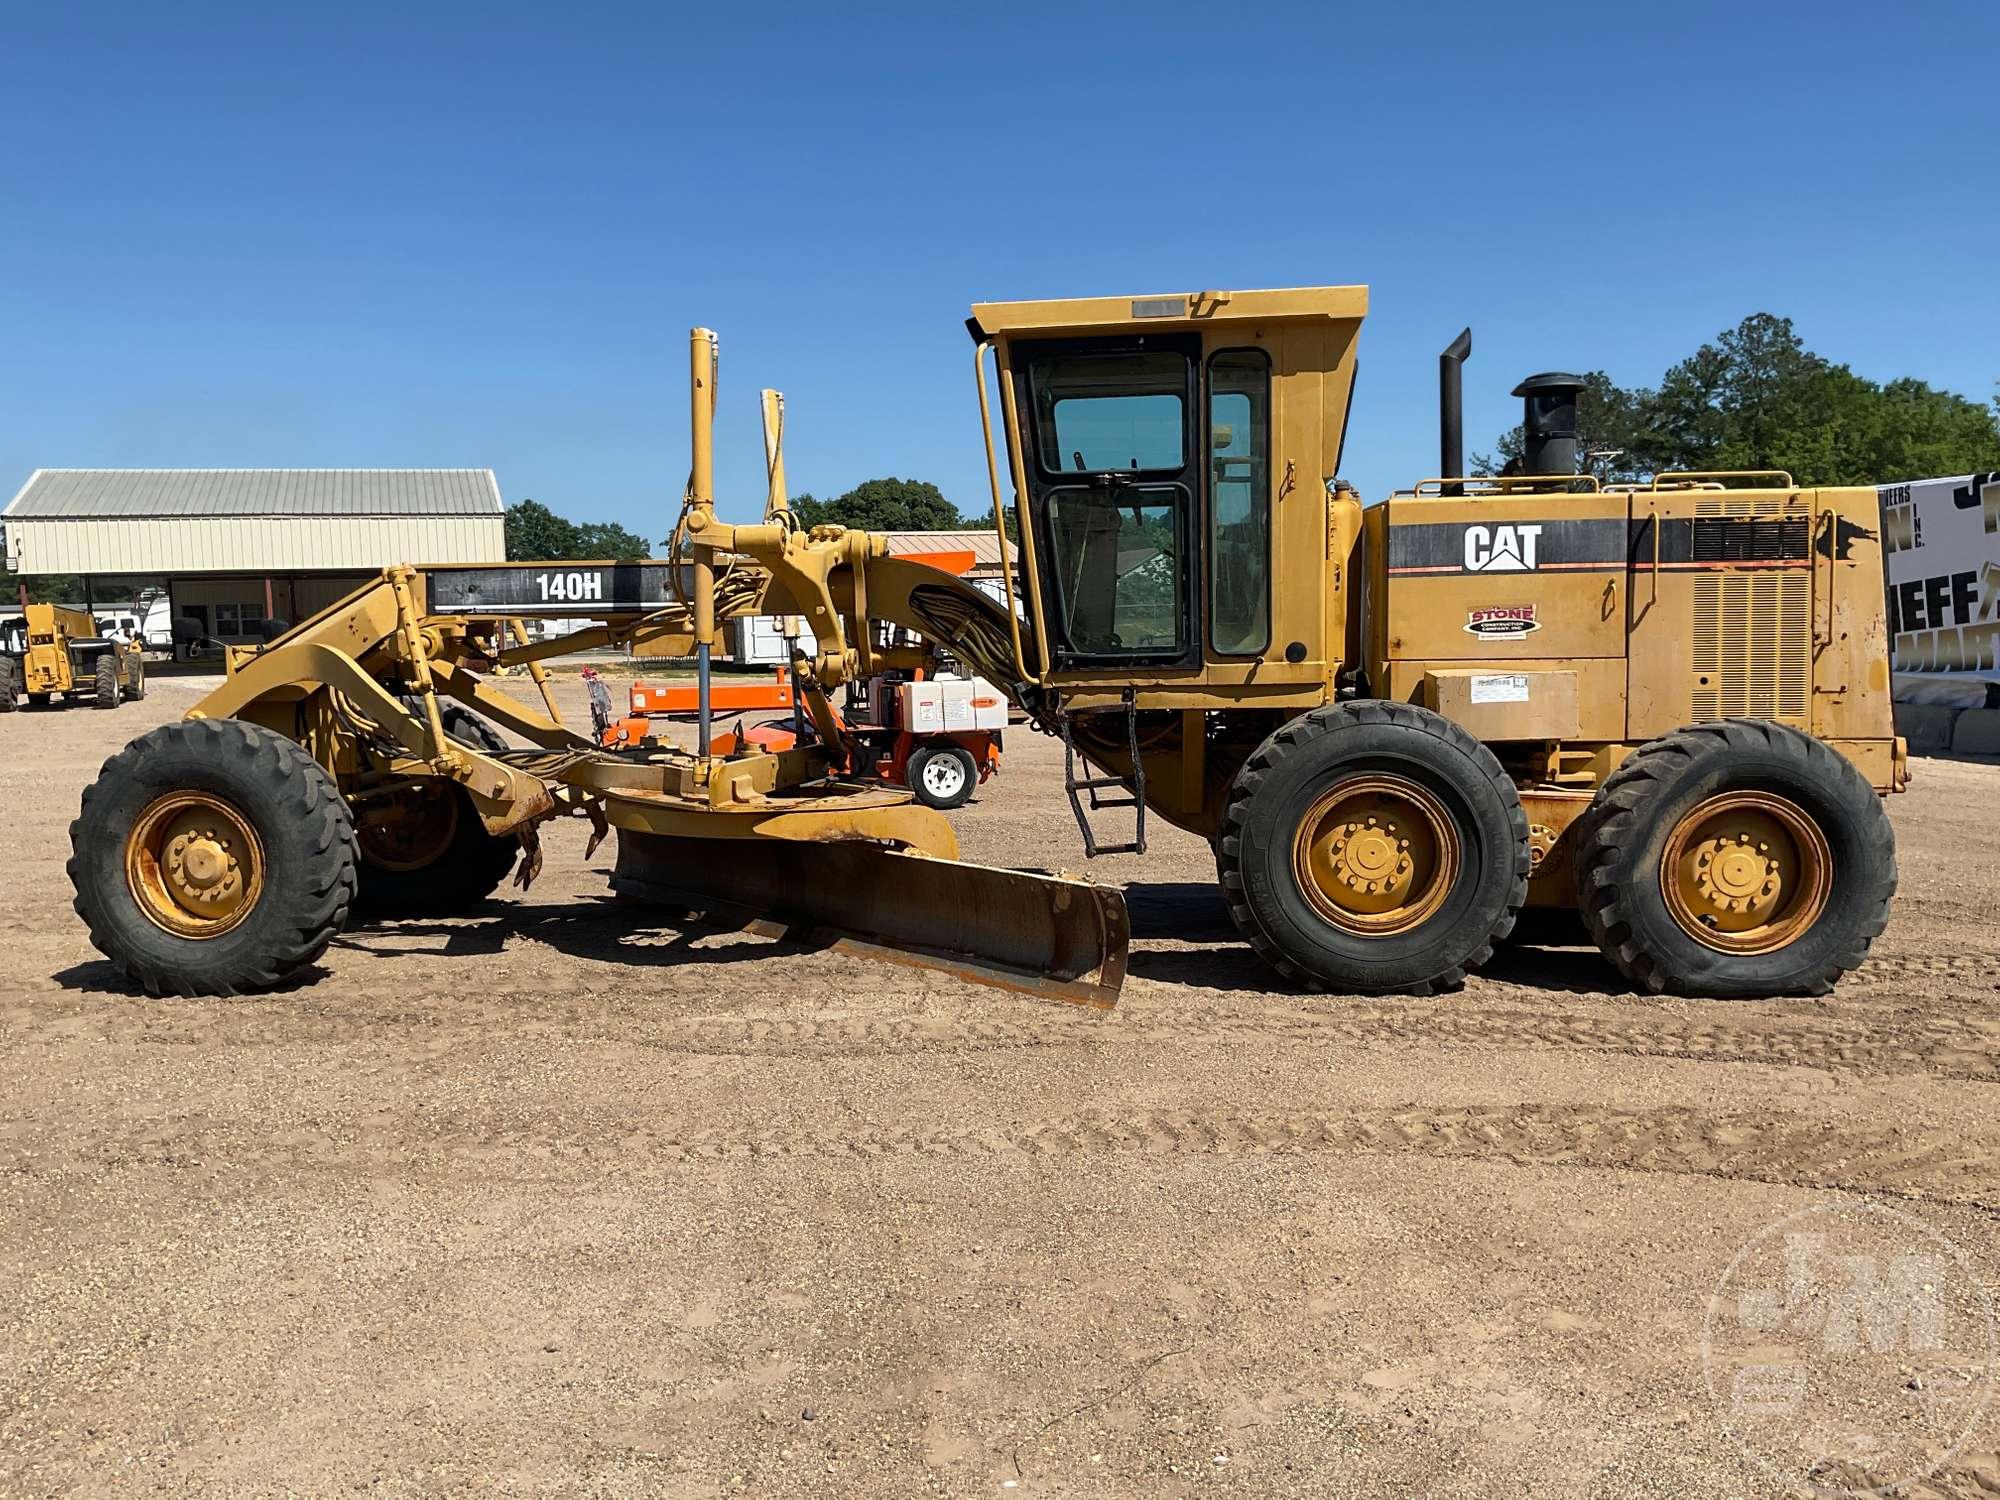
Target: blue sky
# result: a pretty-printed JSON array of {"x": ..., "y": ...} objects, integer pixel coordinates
[{"x": 439, "y": 235}]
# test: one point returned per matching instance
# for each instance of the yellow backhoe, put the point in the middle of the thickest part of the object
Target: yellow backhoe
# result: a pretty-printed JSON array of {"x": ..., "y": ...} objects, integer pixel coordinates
[{"x": 1666, "y": 704}]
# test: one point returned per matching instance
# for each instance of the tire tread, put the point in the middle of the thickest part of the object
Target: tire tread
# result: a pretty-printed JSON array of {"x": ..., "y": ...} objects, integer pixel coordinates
[
  {"x": 320, "y": 893},
  {"x": 1621, "y": 814},
  {"x": 1292, "y": 737}
]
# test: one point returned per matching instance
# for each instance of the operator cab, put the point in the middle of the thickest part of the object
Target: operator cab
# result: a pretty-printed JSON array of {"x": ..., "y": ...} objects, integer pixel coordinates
[{"x": 1143, "y": 438}]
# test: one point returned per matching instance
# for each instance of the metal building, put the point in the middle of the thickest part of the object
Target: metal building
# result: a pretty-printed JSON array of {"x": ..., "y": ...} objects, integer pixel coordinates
[
  {"x": 987, "y": 568},
  {"x": 235, "y": 547}
]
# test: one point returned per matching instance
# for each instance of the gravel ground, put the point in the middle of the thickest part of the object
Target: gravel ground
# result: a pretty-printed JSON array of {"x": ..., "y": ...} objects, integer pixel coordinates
[{"x": 552, "y": 1201}]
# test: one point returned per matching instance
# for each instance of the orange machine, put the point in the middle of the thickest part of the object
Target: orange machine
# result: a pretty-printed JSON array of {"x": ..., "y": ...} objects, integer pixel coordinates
[
  {"x": 942, "y": 768},
  {"x": 649, "y": 701}
]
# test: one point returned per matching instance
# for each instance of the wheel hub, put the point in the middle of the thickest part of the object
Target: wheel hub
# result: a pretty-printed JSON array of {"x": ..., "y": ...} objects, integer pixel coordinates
[
  {"x": 1739, "y": 873},
  {"x": 1376, "y": 854},
  {"x": 202, "y": 864},
  {"x": 1371, "y": 856},
  {"x": 1746, "y": 872},
  {"x": 194, "y": 864}
]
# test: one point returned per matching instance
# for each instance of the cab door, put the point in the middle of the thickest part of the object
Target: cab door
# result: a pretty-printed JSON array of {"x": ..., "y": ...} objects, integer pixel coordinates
[{"x": 1113, "y": 452}]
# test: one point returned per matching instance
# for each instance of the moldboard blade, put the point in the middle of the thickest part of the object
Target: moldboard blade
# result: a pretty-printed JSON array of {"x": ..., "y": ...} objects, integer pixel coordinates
[{"x": 1038, "y": 934}]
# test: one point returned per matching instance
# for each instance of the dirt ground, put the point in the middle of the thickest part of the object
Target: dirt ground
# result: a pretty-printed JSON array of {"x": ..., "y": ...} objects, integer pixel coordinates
[{"x": 552, "y": 1201}]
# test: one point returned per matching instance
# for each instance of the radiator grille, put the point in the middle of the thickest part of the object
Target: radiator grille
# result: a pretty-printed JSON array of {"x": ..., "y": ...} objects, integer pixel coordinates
[
  {"x": 1786, "y": 506},
  {"x": 1748, "y": 540},
  {"x": 1752, "y": 645}
]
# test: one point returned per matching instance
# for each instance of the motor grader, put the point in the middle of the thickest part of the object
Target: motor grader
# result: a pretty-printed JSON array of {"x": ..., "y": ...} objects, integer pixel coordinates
[
  {"x": 49, "y": 652},
  {"x": 1666, "y": 705}
]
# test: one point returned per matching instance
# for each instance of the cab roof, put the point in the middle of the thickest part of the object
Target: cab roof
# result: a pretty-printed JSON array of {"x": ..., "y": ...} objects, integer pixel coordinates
[{"x": 1168, "y": 310}]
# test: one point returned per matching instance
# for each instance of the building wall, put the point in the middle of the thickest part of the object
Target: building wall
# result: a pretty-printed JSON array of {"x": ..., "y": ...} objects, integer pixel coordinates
[{"x": 201, "y": 544}]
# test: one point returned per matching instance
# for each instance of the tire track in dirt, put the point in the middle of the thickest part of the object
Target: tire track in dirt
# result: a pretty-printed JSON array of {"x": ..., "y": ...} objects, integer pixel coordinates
[
  {"x": 1942, "y": 1047},
  {"x": 1677, "y": 1140},
  {"x": 1951, "y": 1051},
  {"x": 1980, "y": 972}
]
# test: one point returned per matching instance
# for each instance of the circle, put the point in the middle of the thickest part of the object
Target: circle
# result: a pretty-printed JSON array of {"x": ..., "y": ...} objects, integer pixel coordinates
[
  {"x": 1746, "y": 872},
  {"x": 194, "y": 864},
  {"x": 943, "y": 776},
  {"x": 1849, "y": 1348},
  {"x": 1376, "y": 854}
]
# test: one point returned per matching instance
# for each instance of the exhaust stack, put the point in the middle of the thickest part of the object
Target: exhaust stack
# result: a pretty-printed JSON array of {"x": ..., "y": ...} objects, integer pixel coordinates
[{"x": 1451, "y": 410}]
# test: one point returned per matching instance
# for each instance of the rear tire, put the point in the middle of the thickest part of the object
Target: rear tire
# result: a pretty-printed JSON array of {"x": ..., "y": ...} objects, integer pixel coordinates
[
  {"x": 464, "y": 864},
  {"x": 1373, "y": 848},
  {"x": 110, "y": 692},
  {"x": 10, "y": 684},
  {"x": 1736, "y": 859},
  {"x": 943, "y": 776},
  {"x": 135, "y": 666},
  {"x": 185, "y": 818}
]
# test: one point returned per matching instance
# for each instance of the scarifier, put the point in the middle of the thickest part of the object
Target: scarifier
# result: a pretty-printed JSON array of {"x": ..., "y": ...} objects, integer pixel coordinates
[{"x": 1664, "y": 704}]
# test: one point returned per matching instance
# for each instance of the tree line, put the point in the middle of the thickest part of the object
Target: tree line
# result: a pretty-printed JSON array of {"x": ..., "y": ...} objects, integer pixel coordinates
[
  {"x": 1757, "y": 398},
  {"x": 537, "y": 534}
]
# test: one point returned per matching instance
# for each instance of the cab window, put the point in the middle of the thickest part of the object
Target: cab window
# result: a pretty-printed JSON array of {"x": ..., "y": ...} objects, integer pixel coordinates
[
  {"x": 1239, "y": 507},
  {"x": 1119, "y": 580},
  {"x": 1103, "y": 412},
  {"x": 1116, "y": 491}
]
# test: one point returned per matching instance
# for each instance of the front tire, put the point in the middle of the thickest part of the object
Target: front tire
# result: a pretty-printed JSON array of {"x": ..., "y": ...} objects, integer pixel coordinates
[
  {"x": 212, "y": 857},
  {"x": 1373, "y": 848},
  {"x": 135, "y": 689},
  {"x": 943, "y": 776},
  {"x": 1736, "y": 859},
  {"x": 10, "y": 684},
  {"x": 109, "y": 692}
]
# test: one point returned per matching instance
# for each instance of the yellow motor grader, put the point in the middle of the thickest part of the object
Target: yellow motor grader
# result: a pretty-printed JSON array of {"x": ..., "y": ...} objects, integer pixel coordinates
[{"x": 1666, "y": 705}]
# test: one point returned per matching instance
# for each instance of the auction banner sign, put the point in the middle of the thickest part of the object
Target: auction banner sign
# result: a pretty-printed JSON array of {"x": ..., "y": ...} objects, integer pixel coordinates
[{"x": 1941, "y": 544}]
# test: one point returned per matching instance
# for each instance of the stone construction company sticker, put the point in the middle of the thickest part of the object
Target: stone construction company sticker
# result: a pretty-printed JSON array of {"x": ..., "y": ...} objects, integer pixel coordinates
[
  {"x": 1502, "y": 622},
  {"x": 1849, "y": 1350}
]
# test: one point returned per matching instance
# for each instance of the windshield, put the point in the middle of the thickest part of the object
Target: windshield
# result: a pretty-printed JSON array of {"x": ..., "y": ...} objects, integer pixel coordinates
[{"x": 1099, "y": 412}]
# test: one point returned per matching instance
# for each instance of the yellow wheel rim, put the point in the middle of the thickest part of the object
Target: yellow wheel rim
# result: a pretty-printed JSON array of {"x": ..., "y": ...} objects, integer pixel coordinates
[
  {"x": 1746, "y": 872},
  {"x": 1376, "y": 854},
  {"x": 411, "y": 832},
  {"x": 194, "y": 864}
]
